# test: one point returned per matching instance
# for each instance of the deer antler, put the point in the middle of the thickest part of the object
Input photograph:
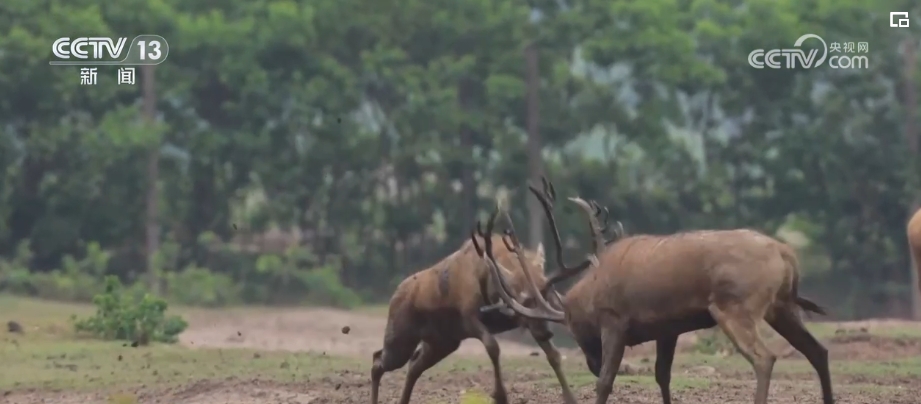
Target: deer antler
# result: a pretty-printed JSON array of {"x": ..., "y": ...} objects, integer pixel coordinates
[
  {"x": 547, "y": 313},
  {"x": 512, "y": 235},
  {"x": 478, "y": 231},
  {"x": 592, "y": 210},
  {"x": 546, "y": 198}
]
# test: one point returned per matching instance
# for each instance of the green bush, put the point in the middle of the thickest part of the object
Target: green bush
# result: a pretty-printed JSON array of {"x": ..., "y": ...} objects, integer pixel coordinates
[
  {"x": 76, "y": 280},
  {"x": 121, "y": 316},
  {"x": 293, "y": 277},
  {"x": 323, "y": 287},
  {"x": 201, "y": 287},
  {"x": 14, "y": 273},
  {"x": 60, "y": 285},
  {"x": 296, "y": 276}
]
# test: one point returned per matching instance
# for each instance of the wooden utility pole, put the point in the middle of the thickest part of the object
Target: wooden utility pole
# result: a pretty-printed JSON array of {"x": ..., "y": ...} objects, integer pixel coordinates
[
  {"x": 535, "y": 159},
  {"x": 152, "y": 224},
  {"x": 911, "y": 138}
]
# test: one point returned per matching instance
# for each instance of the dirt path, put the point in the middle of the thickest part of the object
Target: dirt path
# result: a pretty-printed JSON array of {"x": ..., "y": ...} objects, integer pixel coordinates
[
  {"x": 314, "y": 329},
  {"x": 320, "y": 330},
  {"x": 524, "y": 387}
]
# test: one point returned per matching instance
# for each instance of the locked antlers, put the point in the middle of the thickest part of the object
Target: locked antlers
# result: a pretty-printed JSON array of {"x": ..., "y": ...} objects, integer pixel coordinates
[
  {"x": 544, "y": 311},
  {"x": 597, "y": 222},
  {"x": 598, "y": 225}
]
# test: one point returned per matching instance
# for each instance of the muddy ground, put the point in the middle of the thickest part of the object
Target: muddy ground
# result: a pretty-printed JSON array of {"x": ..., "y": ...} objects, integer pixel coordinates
[{"x": 319, "y": 330}]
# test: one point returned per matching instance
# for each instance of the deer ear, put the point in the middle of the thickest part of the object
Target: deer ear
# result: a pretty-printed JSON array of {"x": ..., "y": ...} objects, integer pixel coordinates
[{"x": 540, "y": 252}]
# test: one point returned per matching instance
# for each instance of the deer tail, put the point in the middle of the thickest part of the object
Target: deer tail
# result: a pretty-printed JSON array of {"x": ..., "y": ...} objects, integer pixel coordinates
[{"x": 789, "y": 257}]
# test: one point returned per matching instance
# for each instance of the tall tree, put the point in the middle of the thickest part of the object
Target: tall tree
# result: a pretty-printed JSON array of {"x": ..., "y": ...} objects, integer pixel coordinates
[
  {"x": 535, "y": 158},
  {"x": 152, "y": 220}
]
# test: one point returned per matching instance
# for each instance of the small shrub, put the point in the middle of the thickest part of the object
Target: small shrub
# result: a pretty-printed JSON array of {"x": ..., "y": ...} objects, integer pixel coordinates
[{"x": 121, "y": 316}]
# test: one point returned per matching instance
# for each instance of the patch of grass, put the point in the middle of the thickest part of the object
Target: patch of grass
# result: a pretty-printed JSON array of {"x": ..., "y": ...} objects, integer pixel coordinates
[
  {"x": 41, "y": 316},
  {"x": 48, "y": 355},
  {"x": 121, "y": 398},
  {"x": 89, "y": 365},
  {"x": 473, "y": 397}
]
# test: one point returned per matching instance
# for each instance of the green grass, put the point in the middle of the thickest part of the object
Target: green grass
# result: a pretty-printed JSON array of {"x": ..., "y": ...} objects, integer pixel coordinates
[
  {"x": 473, "y": 397},
  {"x": 88, "y": 365},
  {"x": 49, "y": 356}
]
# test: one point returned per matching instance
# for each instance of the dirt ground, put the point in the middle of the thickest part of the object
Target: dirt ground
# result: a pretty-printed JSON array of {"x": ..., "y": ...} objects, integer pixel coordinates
[
  {"x": 317, "y": 330},
  {"x": 528, "y": 379}
]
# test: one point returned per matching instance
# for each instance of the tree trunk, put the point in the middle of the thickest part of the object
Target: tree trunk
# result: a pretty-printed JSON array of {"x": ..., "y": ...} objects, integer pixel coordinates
[
  {"x": 153, "y": 176},
  {"x": 468, "y": 184},
  {"x": 535, "y": 159}
]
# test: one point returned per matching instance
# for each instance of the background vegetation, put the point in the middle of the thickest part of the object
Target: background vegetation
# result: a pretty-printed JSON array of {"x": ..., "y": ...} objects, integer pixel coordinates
[{"x": 317, "y": 152}]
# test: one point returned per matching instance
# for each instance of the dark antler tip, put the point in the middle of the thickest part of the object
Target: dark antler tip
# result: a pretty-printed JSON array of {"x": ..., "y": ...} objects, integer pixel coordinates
[{"x": 491, "y": 223}]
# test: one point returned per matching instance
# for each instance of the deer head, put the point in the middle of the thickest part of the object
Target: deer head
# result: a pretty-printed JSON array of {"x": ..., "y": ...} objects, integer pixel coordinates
[{"x": 544, "y": 311}]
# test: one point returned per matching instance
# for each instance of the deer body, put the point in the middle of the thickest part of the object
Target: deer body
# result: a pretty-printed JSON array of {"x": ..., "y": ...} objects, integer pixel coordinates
[
  {"x": 664, "y": 286},
  {"x": 914, "y": 242},
  {"x": 438, "y": 307},
  {"x": 654, "y": 288},
  {"x": 661, "y": 278}
]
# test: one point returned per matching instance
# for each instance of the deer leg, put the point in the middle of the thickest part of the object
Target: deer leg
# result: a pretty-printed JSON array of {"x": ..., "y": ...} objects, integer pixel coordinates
[
  {"x": 397, "y": 350},
  {"x": 789, "y": 325},
  {"x": 741, "y": 328},
  {"x": 541, "y": 333},
  {"x": 665, "y": 355},
  {"x": 430, "y": 355},
  {"x": 591, "y": 349},
  {"x": 476, "y": 328},
  {"x": 612, "y": 353}
]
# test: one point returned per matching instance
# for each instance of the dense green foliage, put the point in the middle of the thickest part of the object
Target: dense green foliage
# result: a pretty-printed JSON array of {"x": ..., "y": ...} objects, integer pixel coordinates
[
  {"x": 321, "y": 150},
  {"x": 122, "y": 316}
]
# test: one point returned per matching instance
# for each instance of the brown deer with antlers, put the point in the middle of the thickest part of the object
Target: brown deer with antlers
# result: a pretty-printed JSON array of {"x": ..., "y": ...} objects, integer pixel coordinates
[
  {"x": 451, "y": 301},
  {"x": 654, "y": 288}
]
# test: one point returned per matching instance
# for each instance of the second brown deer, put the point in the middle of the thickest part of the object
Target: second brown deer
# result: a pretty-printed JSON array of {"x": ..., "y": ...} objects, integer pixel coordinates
[{"x": 654, "y": 288}]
